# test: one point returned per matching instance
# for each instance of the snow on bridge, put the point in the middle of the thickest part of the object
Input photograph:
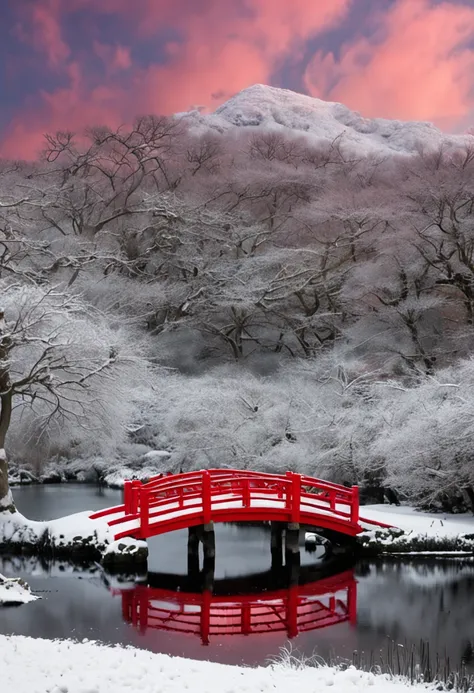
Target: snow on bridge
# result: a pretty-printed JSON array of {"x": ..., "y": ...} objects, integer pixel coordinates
[{"x": 179, "y": 501}]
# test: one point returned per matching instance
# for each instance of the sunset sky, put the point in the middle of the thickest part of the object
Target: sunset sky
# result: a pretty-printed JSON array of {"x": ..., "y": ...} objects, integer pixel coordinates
[{"x": 66, "y": 64}]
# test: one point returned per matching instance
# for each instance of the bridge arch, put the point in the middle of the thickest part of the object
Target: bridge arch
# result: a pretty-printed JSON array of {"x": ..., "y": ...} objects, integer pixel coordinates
[{"x": 171, "y": 502}]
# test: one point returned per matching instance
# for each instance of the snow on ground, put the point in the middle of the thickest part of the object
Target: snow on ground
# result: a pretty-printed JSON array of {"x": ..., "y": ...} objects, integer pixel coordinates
[
  {"x": 418, "y": 527},
  {"x": 39, "y": 666},
  {"x": 407, "y": 518},
  {"x": 14, "y": 591},
  {"x": 116, "y": 477},
  {"x": 16, "y": 528},
  {"x": 127, "y": 545},
  {"x": 73, "y": 533}
]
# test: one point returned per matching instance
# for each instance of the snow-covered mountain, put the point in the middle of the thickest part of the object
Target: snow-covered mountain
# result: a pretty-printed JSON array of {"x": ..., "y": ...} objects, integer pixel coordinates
[{"x": 271, "y": 108}]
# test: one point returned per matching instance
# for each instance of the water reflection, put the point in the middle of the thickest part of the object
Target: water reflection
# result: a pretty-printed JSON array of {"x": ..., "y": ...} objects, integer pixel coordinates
[
  {"x": 297, "y": 609},
  {"x": 405, "y": 603}
]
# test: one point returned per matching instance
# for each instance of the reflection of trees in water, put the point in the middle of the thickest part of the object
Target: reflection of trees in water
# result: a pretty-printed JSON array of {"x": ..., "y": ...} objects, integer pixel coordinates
[
  {"x": 410, "y": 602},
  {"x": 24, "y": 566},
  {"x": 467, "y": 654},
  {"x": 69, "y": 607}
]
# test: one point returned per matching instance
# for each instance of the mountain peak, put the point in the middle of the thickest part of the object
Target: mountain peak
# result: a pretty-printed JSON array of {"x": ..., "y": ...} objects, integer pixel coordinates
[
  {"x": 270, "y": 108},
  {"x": 260, "y": 102}
]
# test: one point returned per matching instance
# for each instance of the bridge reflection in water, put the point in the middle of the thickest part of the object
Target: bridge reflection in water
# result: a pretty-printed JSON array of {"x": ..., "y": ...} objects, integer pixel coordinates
[{"x": 296, "y": 609}]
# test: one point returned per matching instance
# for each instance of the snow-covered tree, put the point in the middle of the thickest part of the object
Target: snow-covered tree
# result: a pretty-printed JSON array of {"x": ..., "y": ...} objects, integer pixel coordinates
[{"x": 63, "y": 368}]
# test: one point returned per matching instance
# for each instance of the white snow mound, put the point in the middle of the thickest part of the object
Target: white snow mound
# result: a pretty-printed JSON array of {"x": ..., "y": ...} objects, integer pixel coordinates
[
  {"x": 14, "y": 591},
  {"x": 269, "y": 108},
  {"x": 29, "y": 665}
]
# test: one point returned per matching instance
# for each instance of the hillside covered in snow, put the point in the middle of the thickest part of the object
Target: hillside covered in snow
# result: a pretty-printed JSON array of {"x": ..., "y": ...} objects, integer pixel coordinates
[{"x": 281, "y": 110}]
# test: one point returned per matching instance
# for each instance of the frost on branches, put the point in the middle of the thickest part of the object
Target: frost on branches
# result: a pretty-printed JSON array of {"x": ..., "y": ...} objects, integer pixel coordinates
[
  {"x": 306, "y": 281},
  {"x": 64, "y": 369}
]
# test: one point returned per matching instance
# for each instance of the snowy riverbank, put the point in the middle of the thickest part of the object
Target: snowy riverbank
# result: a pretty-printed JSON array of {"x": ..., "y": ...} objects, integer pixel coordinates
[
  {"x": 29, "y": 665},
  {"x": 75, "y": 536},
  {"x": 416, "y": 532}
]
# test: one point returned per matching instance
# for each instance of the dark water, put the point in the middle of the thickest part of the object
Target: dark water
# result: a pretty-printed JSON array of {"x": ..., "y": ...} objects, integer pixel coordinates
[{"x": 358, "y": 609}]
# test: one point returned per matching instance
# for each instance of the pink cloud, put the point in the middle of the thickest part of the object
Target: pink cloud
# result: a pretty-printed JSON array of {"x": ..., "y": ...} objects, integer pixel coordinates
[
  {"x": 46, "y": 33},
  {"x": 222, "y": 52},
  {"x": 122, "y": 59},
  {"x": 71, "y": 108},
  {"x": 240, "y": 51},
  {"x": 115, "y": 58},
  {"x": 419, "y": 66}
]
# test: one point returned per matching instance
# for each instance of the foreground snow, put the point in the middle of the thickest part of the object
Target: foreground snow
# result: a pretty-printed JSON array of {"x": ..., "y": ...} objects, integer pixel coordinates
[
  {"x": 28, "y": 665},
  {"x": 14, "y": 591}
]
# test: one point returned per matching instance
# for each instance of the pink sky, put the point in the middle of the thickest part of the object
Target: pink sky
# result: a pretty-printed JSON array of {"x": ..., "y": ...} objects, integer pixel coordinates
[{"x": 72, "y": 63}]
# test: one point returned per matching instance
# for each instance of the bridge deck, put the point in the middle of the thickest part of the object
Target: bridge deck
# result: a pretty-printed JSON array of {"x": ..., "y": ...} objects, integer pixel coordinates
[
  {"x": 178, "y": 501},
  {"x": 172, "y": 511}
]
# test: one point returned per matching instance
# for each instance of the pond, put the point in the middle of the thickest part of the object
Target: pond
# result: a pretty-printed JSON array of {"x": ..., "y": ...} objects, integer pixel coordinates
[{"x": 334, "y": 611}]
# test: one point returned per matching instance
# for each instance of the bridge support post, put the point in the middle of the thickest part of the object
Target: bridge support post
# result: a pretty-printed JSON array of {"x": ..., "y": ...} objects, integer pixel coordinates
[
  {"x": 276, "y": 545},
  {"x": 292, "y": 552},
  {"x": 201, "y": 534},
  {"x": 208, "y": 574},
  {"x": 293, "y": 564},
  {"x": 193, "y": 552},
  {"x": 292, "y": 539},
  {"x": 208, "y": 538}
]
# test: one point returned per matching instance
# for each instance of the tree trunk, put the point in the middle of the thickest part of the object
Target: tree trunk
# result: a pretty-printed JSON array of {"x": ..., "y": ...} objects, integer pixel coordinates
[
  {"x": 6, "y": 500},
  {"x": 469, "y": 491}
]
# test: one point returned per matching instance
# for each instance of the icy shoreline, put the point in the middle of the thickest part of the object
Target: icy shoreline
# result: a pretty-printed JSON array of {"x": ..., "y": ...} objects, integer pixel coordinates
[
  {"x": 75, "y": 536},
  {"x": 68, "y": 667},
  {"x": 415, "y": 533}
]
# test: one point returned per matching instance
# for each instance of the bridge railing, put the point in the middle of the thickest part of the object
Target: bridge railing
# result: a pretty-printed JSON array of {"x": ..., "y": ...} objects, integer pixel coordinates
[{"x": 205, "y": 492}]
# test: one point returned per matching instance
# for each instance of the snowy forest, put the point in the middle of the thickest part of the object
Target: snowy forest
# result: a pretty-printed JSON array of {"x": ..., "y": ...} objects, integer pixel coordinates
[{"x": 247, "y": 298}]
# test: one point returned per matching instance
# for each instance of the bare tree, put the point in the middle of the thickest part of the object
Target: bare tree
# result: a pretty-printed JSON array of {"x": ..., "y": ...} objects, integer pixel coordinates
[{"x": 61, "y": 361}]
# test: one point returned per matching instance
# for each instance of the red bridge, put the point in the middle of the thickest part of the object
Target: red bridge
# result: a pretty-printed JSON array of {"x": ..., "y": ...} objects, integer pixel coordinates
[
  {"x": 168, "y": 503},
  {"x": 295, "y": 610}
]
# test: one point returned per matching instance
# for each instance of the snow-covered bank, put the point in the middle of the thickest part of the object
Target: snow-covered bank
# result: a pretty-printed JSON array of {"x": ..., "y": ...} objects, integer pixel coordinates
[
  {"x": 409, "y": 519},
  {"x": 415, "y": 531},
  {"x": 28, "y": 665},
  {"x": 74, "y": 535},
  {"x": 14, "y": 591}
]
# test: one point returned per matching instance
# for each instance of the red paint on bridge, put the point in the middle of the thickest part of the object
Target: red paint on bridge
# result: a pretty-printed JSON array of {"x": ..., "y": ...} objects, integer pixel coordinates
[
  {"x": 168, "y": 503},
  {"x": 295, "y": 610}
]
